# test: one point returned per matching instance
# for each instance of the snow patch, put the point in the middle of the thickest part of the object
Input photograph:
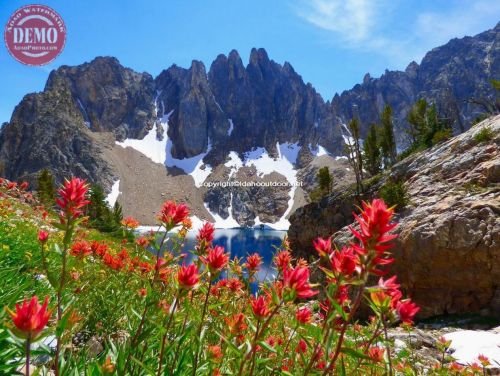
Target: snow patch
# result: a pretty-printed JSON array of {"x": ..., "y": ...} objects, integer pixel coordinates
[
  {"x": 113, "y": 195},
  {"x": 220, "y": 222},
  {"x": 318, "y": 151},
  {"x": 86, "y": 118},
  {"x": 160, "y": 151},
  {"x": 231, "y": 127},
  {"x": 468, "y": 344},
  {"x": 150, "y": 146}
]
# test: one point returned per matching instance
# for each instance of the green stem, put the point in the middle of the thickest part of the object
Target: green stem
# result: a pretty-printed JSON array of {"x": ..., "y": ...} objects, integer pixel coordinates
[
  {"x": 317, "y": 348},
  {"x": 387, "y": 347},
  {"x": 184, "y": 323},
  {"x": 340, "y": 341},
  {"x": 164, "y": 337},
  {"x": 257, "y": 335},
  {"x": 28, "y": 348},
  {"x": 204, "y": 311},
  {"x": 67, "y": 239},
  {"x": 138, "y": 332}
]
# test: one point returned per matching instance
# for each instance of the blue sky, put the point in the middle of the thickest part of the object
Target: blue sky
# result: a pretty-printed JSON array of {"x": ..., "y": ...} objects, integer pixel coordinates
[{"x": 331, "y": 43}]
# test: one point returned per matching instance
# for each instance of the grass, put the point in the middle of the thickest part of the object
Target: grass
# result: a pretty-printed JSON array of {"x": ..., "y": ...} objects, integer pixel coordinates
[{"x": 484, "y": 135}]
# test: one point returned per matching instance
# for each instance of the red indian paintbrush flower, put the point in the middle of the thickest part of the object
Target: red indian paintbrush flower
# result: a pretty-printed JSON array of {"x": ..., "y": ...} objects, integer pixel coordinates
[
  {"x": 142, "y": 242},
  {"x": 130, "y": 222},
  {"x": 253, "y": 262},
  {"x": 215, "y": 352},
  {"x": 216, "y": 259},
  {"x": 296, "y": 280},
  {"x": 301, "y": 346},
  {"x": 407, "y": 310},
  {"x": 344, "y": 261},
  {"x": 323, "y": 246},
  {"x": 188, "y": 276},
  {"x": 375, "y": 223},
  {"x": 260, "y": 307},
  {"x": 206, "y": 233},
  {"x": 43, "y": 236},
  {"x": 72, "y": 197},
  {"x": 81, "y": 248},
  {"x": 484, "y": 360},
  {"x": 24, "y": 186},
  {"x": 392, "y": 289},
  {"x": 173, "y": 214},
  {"x": 303, "y": 315},
  {"x": 376, "y": 354},
  {"x": 236, "y": 324},
  {"x": 30, "y": 318},
  {"x": 282, "y": 260}
]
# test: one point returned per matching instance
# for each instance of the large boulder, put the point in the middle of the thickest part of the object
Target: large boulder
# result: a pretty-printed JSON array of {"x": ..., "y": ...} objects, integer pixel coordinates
[{"x": 448, "y": 249}]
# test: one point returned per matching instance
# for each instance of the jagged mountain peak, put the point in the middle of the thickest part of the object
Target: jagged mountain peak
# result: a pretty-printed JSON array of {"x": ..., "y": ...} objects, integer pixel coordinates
[{"x": 229, "y": 110}]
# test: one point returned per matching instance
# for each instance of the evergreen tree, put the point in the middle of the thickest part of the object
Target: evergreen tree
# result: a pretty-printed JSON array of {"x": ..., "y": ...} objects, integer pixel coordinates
[
  {"x": 46, "y": 188},
  {"x": 117, "y": 212},
  {"x": 101, "y": 216},
  {"x": 371, "y": 151},
  {"x": 325, "y": 179},
  {"x": 427, "y": 127},
  {"x": 417, "y": 119},
  {"x": 387, "y": 139}
]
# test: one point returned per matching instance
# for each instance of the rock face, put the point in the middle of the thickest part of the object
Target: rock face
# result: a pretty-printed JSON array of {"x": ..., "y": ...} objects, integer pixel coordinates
[
  {"x": 232, "y": 108},
  {"x": 449, "y": 76},
  {"x": 448, "y": 249}
]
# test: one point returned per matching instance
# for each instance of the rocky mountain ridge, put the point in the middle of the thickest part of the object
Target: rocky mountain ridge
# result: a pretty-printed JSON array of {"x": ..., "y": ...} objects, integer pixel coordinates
[{"x": 204, "y": 122}]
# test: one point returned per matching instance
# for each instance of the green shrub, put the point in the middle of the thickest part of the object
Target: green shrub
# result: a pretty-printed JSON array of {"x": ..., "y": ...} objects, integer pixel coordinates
[
  {"x": 441, "y": 135},
  {"x": 484, "y": 135},
  {"x": 395, "y": 194}
]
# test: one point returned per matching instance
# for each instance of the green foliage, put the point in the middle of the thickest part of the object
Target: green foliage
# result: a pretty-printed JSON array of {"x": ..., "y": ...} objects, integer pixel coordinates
[
  {"x": 46, "y": 189},
  {"x": 387, "y": 140},
  {"x": 101, "y": 216},
  {"x": 394, "y": 193},
  {"x": 495, "y": 84},
  {"x": 427, "y": 128},
  {"x": 325, "y": 179},
  {"x": 484, "y": 135},
  {"x": 371, "y": 151}
]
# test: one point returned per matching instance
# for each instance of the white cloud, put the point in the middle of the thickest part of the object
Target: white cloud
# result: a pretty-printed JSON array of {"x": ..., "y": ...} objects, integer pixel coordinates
[
  {"x": 351, "y": 19},
  {"x": 369, "y": 25},
  {"x": 465, "y": 19}
]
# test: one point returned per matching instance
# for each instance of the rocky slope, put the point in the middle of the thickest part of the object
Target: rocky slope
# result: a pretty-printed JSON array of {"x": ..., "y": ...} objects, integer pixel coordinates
[
  {"x": 262, "y": 119},
  {"x": 448, "y": 249}
]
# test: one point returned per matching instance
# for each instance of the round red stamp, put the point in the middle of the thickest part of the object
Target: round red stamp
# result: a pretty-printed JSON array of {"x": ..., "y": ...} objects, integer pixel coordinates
[{"x": 35, "y": 34}]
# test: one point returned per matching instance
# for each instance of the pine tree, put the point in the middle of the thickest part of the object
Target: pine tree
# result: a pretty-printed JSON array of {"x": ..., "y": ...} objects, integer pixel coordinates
[
  {"x": 371, "y": 151},
  {"x": 417, "y": 120},
  {"x": 387, "y": 139},
  {"x": 325, "y": 179},
  {"x": 46, "y": 188},
  {"x": 101, "y": 216},
  {"x": 117, "y": 212},
  {"x": 427, "y": 127}
]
